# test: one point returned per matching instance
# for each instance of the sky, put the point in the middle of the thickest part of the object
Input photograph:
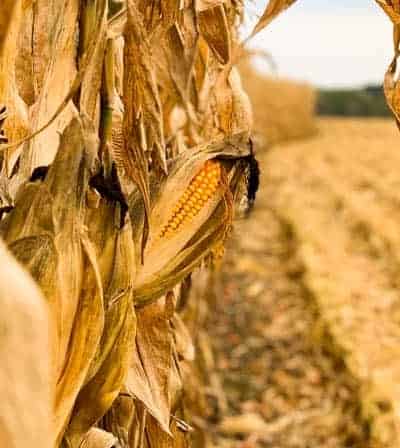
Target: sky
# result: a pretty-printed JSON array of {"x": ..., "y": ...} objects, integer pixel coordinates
[{"x": 329, "y": 43}]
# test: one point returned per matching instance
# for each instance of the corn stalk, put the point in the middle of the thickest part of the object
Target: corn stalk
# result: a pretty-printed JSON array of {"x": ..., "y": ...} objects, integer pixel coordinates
[
  {"x": 124, "y": 134},
  {"x": 124, "y": 143}
]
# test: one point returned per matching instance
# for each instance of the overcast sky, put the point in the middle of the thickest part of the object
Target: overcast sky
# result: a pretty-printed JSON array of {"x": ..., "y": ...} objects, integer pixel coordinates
[{"x": 335, "y": 43}]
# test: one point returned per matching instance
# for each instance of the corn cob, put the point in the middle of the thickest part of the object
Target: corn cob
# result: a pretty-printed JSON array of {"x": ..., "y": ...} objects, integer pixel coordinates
[{"x": 202, "y": 187}]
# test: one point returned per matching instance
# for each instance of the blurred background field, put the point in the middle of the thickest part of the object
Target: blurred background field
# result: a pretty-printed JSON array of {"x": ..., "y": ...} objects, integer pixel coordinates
[
  {"x": 307, "y": 330},
  {"x": 282, "y": 109}
]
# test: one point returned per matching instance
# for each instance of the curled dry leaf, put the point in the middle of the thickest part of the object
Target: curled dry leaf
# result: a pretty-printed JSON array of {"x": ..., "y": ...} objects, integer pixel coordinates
[
  {"x": 149, "y": 373},
  {"x": 202, "y": 5},
  {"x": 53, "y": 79},
  {"x": 84, "y": 263},
  {"x": 7, "y": 9},
  {"x": 232, "y": 103},
  {"x": 25, "y": 407},
  {"x": 159, "y": 439},
  {"x": 183, "y": 341},
  {"x": 48, "y": 239},
  {"x": 391, "y": 83},
  {"x": 392, "y": 90},
  {"x": 143, "y": 125},
  {"x": 392, "y": 9},
  {"x": 114, "y": 252},
  {"x": 273, "y": 9},
  {"x": 94, "y": 23},
  {"x": 97, "y": 438},
  {"x": 16, "y": 125},
  {"x": 214, "y": 28}
]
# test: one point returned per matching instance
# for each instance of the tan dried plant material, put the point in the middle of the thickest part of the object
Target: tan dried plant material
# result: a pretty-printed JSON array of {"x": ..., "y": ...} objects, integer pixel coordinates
[
  {"x": 392, "y": 9},
  {"x": 214, "y": 28},
  {"x": 53, "y": 81},
  {"x": 273, "y": 9},
  {"x": 111, "y": 201},
  {"x": 25, "y": 406},
  {"x": 142, "y": 123},
  {"x": 97, "y": 438},
  {"x": 83, "y": 273},
  {"x": 7, "y": 9},
  {"x": 16, "y": 126},
  {"x": 49, "y": 240},
  {"x": 184, "y": 233},
  {"x": 391, "y": 82},
  {"x": 202, "y": 5},
  {"x": 149, "y": 373},
  {"x": 232, "y": 104},
  {"x": 94, "y": 23}
]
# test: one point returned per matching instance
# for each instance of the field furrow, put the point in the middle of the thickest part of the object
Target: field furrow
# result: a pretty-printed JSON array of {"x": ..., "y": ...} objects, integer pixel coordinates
[{"x": 342, "y": 204}]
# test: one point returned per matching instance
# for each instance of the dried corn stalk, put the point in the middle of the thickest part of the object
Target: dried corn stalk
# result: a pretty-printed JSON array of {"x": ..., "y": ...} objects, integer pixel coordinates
[{"x": 128, "y": 143}]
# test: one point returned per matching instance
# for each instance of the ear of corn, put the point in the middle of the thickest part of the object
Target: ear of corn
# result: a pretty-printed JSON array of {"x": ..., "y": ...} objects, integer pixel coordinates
[{"x": 202, "y": 187}]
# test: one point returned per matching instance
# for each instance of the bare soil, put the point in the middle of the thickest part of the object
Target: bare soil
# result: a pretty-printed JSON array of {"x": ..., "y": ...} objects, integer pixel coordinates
[{"x": 305, "y": 327}]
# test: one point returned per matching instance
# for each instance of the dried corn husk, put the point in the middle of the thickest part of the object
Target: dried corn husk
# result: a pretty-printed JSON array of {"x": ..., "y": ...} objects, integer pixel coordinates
[
  {"x": 167, "y": 260},
  {"x": 82, "y": 272},
  {"x": 25, "y": 405}
]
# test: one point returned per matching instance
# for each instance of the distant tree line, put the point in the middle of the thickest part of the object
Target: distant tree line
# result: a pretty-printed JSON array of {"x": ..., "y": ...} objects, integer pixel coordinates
[{"x": 368, "y": 101}]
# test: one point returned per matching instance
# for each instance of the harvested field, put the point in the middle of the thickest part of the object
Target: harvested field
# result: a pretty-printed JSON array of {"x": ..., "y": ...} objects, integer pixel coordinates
[{"x": 307, "y": 334}]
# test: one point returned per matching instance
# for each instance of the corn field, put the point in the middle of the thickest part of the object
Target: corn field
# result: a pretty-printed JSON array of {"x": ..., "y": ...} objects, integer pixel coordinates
[{"x": 125, "y": 154}]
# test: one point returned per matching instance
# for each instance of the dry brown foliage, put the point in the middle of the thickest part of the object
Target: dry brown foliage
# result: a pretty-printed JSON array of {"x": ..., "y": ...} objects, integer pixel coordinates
[
  {"x": 111, "y": 120},
  {"x": 124, "y": 143}
]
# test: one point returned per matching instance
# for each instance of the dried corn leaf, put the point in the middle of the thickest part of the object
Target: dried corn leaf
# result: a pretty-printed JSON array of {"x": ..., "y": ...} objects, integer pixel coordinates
[
  {"x": 156, "y": 438},
  {"x": 169, "y": 12},
  {"x": 24, "y": 61},
  {"x": 43, "y": 22},
  {"x": 59, "y": 76},
  {"x": 148, "y": 377},
  {"x": 392, "y": 90},
  {"x": 179, "y": 63},
  {"x": 391, "y": 82},
  {"x": 143, "y": 123},
  {"x": 25, "y": 406},
  {"x": 202, "y": 5},
  {"x": 7, "y": 9},
  {"x": 115, "y": 253},
  {"x": 34, "y": 48},
  {"x": 49, "y": 239},
  {"x": 392, "y": 9},
  {"x": 97, "y": 438},
  {"x": 143, "y": 126},
  {"x": 94, "y": 23},
  {"x": 273, "y": 9},
  {"x": 183, "y": 340},
  {"x": 119, "y": 419},
  {"x": 16, "y": 125},
  {"x": 214, "y": 28},
  {"x": 232, "y": 104}
]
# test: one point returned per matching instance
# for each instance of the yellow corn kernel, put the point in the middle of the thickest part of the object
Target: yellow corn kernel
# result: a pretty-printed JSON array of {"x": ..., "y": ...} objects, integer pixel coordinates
[{"x": 199, "y": 191}]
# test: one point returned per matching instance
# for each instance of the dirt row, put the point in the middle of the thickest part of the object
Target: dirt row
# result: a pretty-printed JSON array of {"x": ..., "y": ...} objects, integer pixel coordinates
[
  {"x": 339, "y": 192},
  {"x": 307, "y": 331}
]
